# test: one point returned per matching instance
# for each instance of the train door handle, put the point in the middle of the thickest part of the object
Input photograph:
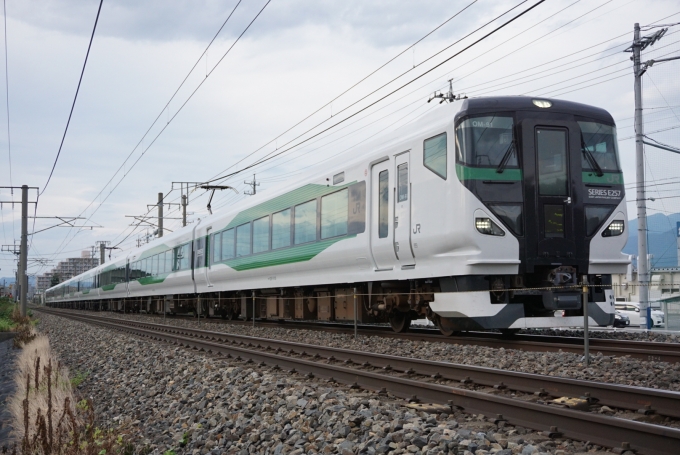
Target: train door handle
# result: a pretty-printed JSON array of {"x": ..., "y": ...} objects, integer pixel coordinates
[
  {"x": 396, "y": 221},
  {"x": 568, "y": 200}
]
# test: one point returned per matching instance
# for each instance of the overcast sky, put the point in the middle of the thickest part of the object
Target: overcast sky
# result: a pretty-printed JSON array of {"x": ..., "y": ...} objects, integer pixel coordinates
[{"x": 295, "y": 58}]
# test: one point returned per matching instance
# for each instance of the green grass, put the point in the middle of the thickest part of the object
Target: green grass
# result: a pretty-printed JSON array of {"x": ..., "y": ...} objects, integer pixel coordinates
[
  {"x": 6, "y": 309},
  {"x": 79, "y": 378}
]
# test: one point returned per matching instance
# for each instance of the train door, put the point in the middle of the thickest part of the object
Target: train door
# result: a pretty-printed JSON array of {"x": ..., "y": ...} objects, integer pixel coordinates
[
  {"x": 382, "y": 215},
  {"x": 552, "y": 155},
  {"x": 402, "y": 212}
]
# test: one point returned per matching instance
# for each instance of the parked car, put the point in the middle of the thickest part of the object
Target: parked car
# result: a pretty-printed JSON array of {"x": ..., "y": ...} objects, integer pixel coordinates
[
  {"x": 621, "y": 320},
  {"x": 632, "y": 310}
]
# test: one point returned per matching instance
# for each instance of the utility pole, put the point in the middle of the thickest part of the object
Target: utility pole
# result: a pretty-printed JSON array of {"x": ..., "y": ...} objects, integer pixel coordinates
[
  {"x": 643, "y": 271},
  {"x": 23, "y": 258},
  {"x": 160, "y": 215},
  {"x": 102, "y": 244},
  {"x": 639, "y": 68},
  {"x": 254, "y": 184},
  {"x": 184, "y": 210}
]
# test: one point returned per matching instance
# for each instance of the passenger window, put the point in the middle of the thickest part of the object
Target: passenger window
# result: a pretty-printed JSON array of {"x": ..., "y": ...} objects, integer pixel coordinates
[
  {"x": 305, "y": 222},
  {"x": 434, "y": 155},
  {"x": 184, "y": 257},
  {"x": 334, "y": 214},
  {"x": 216, "y": 245},
  {"x": 243, "y": 240},
  {"x": 154, "y": 265},
  {"x": 261, "y": 235},
  {"x": 281, "y": 229},
  {"x": 383, "y": 204},
  {"x": 168, "y": 261},
  {"x": 402, "y": 182},
  {"x": 227, "y": 244}
]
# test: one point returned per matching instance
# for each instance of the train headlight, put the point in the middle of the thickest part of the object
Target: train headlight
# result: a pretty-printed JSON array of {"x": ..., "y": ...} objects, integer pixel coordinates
[
  {"x": 615, "y": 228},
  {"x": 488, "y": 227},
  {"x": 542, "y": 103}
]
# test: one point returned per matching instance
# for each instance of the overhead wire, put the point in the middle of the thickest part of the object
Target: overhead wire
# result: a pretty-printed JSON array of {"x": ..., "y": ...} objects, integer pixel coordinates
[
  {"x": 270, "y": 156},
  {"x": 175, "y": 115},
  {"x": 73, "y": 105}
]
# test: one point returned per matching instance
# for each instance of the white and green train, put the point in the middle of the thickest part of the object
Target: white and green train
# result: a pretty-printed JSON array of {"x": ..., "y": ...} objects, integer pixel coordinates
[{"x": 485, "y": 214}]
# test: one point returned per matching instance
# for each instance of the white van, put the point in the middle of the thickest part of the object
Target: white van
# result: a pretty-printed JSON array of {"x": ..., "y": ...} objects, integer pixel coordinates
[{"x": 632, "y": 310}]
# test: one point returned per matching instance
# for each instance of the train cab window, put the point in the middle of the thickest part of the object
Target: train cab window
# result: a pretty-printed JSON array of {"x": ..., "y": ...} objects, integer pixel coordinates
[
  {"x": 243, "y": 240},
  {"x": 551, "y": 148},
  {"x": 261, "y": 234},
  {"x": 383, "y": 204},
  {"x": 334, "y": 214},
  {"x": 486, "y": 142},
  {"x": 598, "y": 143},
  {"x": 402, "y": 182},
  {"x": 227, "y": 244},
  {"x": 434, "y": 155},
  {"x": 281, "y": 229},
  {"x": 305, "y": 222}
]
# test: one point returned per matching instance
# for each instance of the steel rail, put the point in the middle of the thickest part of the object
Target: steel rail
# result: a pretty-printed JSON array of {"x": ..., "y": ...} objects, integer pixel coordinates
[
  {"x": 650, "y": 351},
  {"x": 647, "y": 400},
  {"x": 598, "y": 429}
]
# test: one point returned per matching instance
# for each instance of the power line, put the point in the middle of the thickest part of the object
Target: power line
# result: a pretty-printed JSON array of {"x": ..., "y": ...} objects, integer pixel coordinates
[
  {"x": 169, "y": 120},
  {"x": 273, "y": 155},
  {"x": 74, "y": 98}
]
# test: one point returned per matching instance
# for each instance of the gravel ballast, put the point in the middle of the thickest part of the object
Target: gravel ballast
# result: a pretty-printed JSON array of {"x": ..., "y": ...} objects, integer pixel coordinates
[
  {"x": 164, "y": 398},
  {"x": 610, "y": 369}
]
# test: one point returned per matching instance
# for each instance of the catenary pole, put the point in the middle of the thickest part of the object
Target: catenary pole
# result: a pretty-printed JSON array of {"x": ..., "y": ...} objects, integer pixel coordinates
[
  {"x": 184, "y": 210},
  {"x": 23, "y": 256},
  {"x": 160, "y": 215},
  {"x": 642, "y": 263}
]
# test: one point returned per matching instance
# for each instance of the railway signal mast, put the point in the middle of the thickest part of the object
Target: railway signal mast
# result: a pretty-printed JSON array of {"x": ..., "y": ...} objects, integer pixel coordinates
[{"x": 639, "y": 68}]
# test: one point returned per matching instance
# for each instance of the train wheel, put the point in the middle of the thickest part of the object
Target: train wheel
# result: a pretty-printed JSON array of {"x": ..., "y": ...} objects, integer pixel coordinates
[
  {"x": 446, "y": 327},
  {"x": 399, "y": 321}
]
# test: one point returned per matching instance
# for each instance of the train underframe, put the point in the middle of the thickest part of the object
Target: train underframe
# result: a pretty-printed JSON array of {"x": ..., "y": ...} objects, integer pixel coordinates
[{"x": 552, "y": 298}]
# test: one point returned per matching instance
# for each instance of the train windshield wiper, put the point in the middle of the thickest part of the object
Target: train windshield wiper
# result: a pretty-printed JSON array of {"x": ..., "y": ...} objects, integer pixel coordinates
[
  {"x": 591, "y": 159},
  {"x": 506, "y": 157}
]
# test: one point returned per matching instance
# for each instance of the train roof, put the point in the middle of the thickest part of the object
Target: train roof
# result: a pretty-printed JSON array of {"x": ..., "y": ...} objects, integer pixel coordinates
[{"x": 526, "y": 103}]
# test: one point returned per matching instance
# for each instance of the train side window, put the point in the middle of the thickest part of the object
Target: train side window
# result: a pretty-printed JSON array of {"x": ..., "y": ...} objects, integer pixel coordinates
[
  {"x": 216, "y": 246},
  {"x": 383, "y": 204},
  {"x": 227, "y": 244},
  {"x": 154, "y": 265},
  {"x": 183, "y": 257},
  {"x": 243, "y": 240},
  {"x": 334, "y": 214},
  {"x": 281, "y": 229},
  {"x": 402, "y": 182},
  {"x": 261, "y": 234},
  {"x": 434, "y": 155},
  {"x": 168, "y": 261},
  {"x": 305, "y": 222}
]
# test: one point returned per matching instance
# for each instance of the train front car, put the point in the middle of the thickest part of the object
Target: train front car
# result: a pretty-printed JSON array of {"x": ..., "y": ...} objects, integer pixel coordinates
[{"x": 547, "y": 173}]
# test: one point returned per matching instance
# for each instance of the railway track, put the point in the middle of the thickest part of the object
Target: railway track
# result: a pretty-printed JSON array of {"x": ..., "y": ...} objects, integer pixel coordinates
[
  {"x": 448, "y": 384},
  {"x": 653, "y": 351}
]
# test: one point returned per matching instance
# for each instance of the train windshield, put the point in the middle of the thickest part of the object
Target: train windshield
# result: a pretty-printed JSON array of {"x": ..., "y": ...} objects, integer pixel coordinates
[
  {"x": 486, "y": 141},
  {"x": 598, "y": 147}
]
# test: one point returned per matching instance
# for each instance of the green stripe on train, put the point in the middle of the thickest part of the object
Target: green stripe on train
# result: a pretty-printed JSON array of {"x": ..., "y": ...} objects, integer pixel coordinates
[
  {"x": 284, "y": 256},
  {"x": 486, "y": 173},
  {"x": 607, "y": 178}
]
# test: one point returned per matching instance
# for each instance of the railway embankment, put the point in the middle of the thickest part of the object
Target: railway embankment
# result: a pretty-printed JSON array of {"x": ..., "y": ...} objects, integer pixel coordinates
[{"x": 187, "y": 401}]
